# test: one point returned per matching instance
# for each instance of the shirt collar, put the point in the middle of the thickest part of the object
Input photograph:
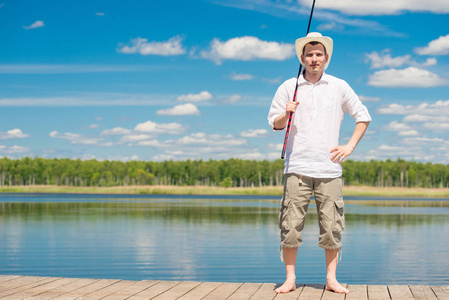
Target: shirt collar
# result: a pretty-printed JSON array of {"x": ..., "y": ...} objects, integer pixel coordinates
[{"x": 324, "y": 79}]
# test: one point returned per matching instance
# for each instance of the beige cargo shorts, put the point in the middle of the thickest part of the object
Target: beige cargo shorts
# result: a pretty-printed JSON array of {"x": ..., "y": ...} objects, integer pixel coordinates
[{"x": 329, "y": 204}]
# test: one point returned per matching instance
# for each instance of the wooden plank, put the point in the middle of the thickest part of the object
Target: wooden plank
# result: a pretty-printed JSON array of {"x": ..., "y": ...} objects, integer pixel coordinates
[
  {"x": 441, "y": 292},
  {"x": 331, "y": 295},
  {"x": 26, "y": 283},
  {"x": 291, "y": 295},
  {"x": 4, "y": 278},
  {"x": 312, "y": 292},
  {"x": 265, "y": 292},
  {"x": 246, "y": 291},
  {"x": 400, "y": 292},
  {"x": 40, "y": 288},
  {"x": 82, "y": 291},
  {"x": 223, "y": 291},
  {"x": 37, "y": 288},
  {"x": 357, "y": 292},
  {"x": 108, "y": 290},
  {"x": 21, "y": 281},
  {"x": 131, "y": 290},
  {"x": 154, "y": 290},
  {"x": 378, "y": 292},
  {"x": 201, "y": 291},
  {"x": 59, "y": 291},
  {"x": 421, "y": 292},
  {"x": 178, "y": 290}
]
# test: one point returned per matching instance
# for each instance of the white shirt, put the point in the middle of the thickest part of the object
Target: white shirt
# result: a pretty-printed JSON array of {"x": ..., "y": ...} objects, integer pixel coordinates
[{"x": 315, "y": 126}]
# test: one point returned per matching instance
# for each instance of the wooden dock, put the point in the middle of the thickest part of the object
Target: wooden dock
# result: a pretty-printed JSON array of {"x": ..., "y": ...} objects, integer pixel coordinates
[{"x": 33, "y": 287}]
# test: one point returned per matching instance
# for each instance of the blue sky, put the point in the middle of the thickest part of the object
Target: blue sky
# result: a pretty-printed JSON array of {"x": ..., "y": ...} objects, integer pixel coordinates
[{"x": 158, "y": 80}]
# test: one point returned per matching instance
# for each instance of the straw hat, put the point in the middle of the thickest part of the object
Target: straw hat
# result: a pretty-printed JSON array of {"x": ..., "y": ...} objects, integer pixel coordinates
[{"x": 315, "y": 37}]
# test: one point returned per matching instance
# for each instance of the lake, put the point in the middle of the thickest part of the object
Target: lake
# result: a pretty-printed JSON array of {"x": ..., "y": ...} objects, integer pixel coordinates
[{"x": 216, "y": 238}]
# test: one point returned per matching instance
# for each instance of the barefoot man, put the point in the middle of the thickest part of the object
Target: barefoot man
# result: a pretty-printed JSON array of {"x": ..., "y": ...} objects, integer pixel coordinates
[{"x": 313, "y": 155}]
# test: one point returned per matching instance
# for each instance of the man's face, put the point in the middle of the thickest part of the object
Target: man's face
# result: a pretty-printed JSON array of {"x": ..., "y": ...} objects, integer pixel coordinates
[{"x": 314, "y": 59}]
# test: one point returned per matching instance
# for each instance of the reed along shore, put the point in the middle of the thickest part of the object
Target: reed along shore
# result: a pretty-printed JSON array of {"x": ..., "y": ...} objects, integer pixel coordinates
[{"x": 208, "y": 190}]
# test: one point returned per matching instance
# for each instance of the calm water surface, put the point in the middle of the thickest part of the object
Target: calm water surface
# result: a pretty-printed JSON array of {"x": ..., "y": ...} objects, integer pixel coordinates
[{"x": 216, "y": 238}]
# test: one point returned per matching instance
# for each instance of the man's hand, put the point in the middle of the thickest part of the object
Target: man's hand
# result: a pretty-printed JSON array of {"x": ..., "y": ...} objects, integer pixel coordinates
[
  {"x": 340, "y": 153},
  {"x": 291, "y": 107},
  {"x": 281, "y": 121}
]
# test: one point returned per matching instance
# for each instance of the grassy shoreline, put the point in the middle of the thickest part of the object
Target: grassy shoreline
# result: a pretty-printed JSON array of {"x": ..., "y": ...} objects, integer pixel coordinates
[{"x": 205, "y": 190}]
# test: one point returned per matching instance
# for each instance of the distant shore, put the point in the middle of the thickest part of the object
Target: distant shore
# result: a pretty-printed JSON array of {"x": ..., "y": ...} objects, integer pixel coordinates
[{"x": 206, "y": 190}]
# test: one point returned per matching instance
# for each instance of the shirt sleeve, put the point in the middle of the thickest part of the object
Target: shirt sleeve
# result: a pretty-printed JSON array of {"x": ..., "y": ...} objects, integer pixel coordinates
[
  {"x": 354, "y": 107},
  {"x": 278, "y": 106}
]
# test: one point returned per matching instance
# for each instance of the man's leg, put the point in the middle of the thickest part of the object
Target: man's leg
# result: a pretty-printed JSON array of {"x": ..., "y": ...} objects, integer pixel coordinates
[
  {"x": 329, "y": 203},
  {"x": 331, "y": 269},
  {"x": 297, "y": 195},
  {"x": 290, "y": 265}
]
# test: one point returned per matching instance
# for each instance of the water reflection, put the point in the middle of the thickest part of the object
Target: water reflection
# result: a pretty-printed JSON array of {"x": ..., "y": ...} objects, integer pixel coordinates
[{"x": 215, "y": 239}]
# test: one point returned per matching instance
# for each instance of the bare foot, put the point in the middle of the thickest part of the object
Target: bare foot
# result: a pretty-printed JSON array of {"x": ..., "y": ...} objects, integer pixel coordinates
[
  {"x": 288, "y": 286},
  {"x": 333, "y": 285}
]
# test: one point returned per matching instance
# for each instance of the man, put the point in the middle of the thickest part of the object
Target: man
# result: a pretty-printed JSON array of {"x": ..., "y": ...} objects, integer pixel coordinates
[{"x": 313, "y": 156}]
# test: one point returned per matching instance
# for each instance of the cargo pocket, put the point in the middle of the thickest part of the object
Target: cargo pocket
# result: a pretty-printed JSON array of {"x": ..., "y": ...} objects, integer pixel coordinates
[
  {"x": 283, "y": 212},
  {"x": 339, "y": 215}
]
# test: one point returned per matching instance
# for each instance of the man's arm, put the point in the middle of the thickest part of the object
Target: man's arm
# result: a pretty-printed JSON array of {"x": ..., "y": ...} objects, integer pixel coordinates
[
  {"x": 341, "y": 152},
  {"x": 281, "y": 121}
]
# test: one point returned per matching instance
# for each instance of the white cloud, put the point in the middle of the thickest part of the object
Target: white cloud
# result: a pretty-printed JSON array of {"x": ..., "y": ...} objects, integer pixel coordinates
[
  {"x": 431, "y": 61},
  {"x": 152, "y": 127},
  {"x": 329, "y": 20},
  {"x": 437, "y": 126},
  {"x": 94, "y": 126},
  {"x": 142, "y": 46},
  {"x": 410, "y": 77},
  {"x": 401, "y": 128},
  {"x": 388, "y": 148},
  {"x": 410, "y": 132},
  {"x": 180, "y": 110},
  {"x": 439, "y": 46},
  {"x": 13, "y": 134},
  {"x": 76, "y": 138},
  {"x": 211, "y": 139},
  {"x": 36, "y": 24},
  {"x": 396, "y": 126},
  {"x": 331, "y": 26},
  {"x": 248, "y": 48},
  {"x": 154, "y": 143},
  {"x": 276, "y": 146},
  {"x": 439, "y": 108},
  {"x": 416, "y": 118},
  {"x": 251, "y": 156},
  {"x": 203, "y": 96},
  {"x": 100, "y": 14},
  {"x": 425, "y": 141},
  {"x": 368, "y": 99},
  {"x": 232, "y": 99},
  {"x": 241, "y": 77},
  {"x": 13, "y": 149},
  {"x": 253, "y": 133},
  {"x": 381, "y": 7},
  {"x": 384, "y": 59},
  {"x": 162, "y": 157},
  {"x": 116, "y": 131},
  {"x": 134, "y": 138},
  {"x": 272, "y": 80}
]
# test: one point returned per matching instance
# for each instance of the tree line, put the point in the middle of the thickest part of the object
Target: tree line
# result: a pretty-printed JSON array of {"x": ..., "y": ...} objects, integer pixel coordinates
[{"x": 225, "y": 173}]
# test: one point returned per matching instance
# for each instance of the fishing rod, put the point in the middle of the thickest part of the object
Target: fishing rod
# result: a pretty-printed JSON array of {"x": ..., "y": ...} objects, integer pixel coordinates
[{"x": 296, "y": 89}]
